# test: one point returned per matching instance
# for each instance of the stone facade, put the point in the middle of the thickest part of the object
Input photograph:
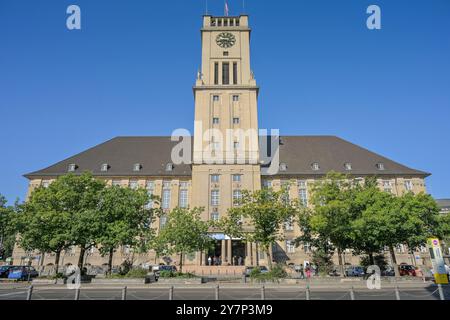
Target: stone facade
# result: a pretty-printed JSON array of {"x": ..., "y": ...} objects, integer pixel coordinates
[{"x": 226, "y": 98}]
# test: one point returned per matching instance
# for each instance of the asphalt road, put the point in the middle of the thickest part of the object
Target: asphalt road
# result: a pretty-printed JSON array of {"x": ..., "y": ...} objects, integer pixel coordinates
[{"x": 208, "y": 293}]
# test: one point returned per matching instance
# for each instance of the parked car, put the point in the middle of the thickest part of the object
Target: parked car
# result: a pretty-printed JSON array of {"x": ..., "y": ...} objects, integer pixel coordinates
[
  {"x": 388, "y": 272},
  {"x": 407, "y": 270},
  {"x": 22, "y": 273},
  {"x": 161, "y": 268},
  {"x": 4, "y": 271},
  {"x": 355, "y": 271},
  {"x": 248, "y": 270}
]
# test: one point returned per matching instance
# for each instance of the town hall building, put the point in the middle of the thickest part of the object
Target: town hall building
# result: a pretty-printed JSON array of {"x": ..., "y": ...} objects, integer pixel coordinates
[{"x": 226, "y": 100}]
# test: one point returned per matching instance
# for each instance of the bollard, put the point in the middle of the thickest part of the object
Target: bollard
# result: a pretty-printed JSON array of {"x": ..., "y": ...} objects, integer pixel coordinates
[
  {"x": 77, "y": 294},
  {"x": 171, "y": 293},
  {"x": 352, "y": 294},
  {"x": 308, "y": 293},
  {"x": 263, "y": 293},
  {"x": 29, "y": 293},
  {"x": 217, "y": 292},
  {"x": 441, "y": 292},
  {"x": 124, "y": 293},
  {"x": 397, "y": 293}
]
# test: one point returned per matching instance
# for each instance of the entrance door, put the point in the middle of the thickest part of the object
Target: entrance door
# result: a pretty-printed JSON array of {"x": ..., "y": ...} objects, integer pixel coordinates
[{"x": 238, "y": 253}]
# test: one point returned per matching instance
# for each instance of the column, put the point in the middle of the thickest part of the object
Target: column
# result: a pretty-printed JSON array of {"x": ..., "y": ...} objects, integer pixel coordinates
[
  {"x": 248, "y": 258},
  {"x": 224, "y": 252},
  {"x": 255, "y": 254},
  {"x": 229, "y": 252}
]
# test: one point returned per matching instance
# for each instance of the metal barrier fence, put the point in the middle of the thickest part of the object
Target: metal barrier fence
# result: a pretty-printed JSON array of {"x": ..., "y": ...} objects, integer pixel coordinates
[{"x": 224, "y": 293}]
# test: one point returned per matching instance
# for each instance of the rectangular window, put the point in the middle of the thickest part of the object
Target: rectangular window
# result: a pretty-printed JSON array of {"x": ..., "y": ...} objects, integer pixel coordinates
[
  {"x": 215, "y": 216},
  {"x": 215, "y": 178},
  {"x": 162, "y": 222},
  {"x": 235, "y": 73},
  {"x": 237, "y": 178},
  {"x": 267, "y": 184},
  {"x": 184, "y": 199},
  {"x": 387, "y": 186},
  {"x": 225, "y": 73},
  {"x": 166, "y": 199},
  {"x": 215, "y": 98},
  {"x": 216, "y": 121},
  {"x": 290, "y": 247},
  {"x": 150, "y": 191},
  {"x": 235, "y": 98},
  {"x": 215, "y": 198},
  {"x": 134, "y": 184},
  {"x": 216, "y": 73},
  {"x": 289, "y": 225},
  {"x": 236, "y": 145},
  {"x": 237, "y": 196},
  {"x": 236, "y": 121},
  {"x": 408, "y": 185},
  {"x": 303, "y": 196}
]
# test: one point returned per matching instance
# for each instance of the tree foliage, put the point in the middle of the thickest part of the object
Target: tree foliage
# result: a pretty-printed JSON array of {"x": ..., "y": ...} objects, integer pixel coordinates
[
  {"x": 184, "y": 233},
  {"x": 259, "y": 217}
]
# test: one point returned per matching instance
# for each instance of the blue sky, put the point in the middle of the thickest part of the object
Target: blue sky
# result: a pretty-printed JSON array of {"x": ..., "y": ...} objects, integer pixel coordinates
[{"x": 321, "y": 72}]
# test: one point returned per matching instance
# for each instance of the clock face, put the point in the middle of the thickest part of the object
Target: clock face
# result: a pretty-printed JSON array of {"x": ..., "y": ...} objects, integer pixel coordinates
[{"x": 226, "y": 40}]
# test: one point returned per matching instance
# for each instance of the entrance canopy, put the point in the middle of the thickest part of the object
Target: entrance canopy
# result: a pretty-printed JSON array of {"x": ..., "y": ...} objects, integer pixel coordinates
[{"x": 221, "y": 236}]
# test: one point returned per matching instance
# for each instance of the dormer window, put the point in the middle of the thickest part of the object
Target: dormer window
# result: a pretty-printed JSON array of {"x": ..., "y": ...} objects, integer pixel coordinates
[
  {"x": 348, "y": 166},
  {"x": 137, "y": 167},
  {"x": 105, "y": 167},
  {"x": 380, "y": 166},
  {"x": 283, "y": 167},
  {"x": 72, "y": 167},
  {"x": 170, "y": 167},
  {"x": 315, "y": 166}
]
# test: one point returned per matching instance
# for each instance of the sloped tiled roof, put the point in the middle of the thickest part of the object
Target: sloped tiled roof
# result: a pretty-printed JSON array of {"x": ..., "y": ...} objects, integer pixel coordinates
[{"x": 297, "y": 152}]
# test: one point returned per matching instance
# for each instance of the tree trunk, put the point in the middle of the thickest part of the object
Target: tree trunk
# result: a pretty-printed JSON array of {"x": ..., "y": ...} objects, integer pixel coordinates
[
  {"x": 341, "y": 264},
  {"x": 269, "y": 258},
  {"x": 371, "y": 259},
  {"x": 58, "y": 256},
  {"x": 81, "y": 258},
  {"x": 394, "y": 262},
  {"x": 181, "y": 262},
  {"x": 413, "y": 258},
  {"x": 110, "y": 260}
]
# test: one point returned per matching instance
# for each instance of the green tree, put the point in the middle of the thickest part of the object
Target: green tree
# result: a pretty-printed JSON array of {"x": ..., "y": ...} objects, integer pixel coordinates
[
  {"x": 125, "y": 220},
  {"x": 44, "y": 224},
  {"x": 332, "y": 216},
  {"x": 7, "y": 229},
  {"x": 259, "y": 217},
  {"x": 184, "y": 233}
]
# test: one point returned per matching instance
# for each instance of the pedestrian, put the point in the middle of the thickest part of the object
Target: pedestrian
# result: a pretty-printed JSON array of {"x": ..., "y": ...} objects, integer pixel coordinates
[
  {"x": 302, "y": 272},
  {"x": 308, "y": 271},
  {"x": 240, "y": 261},
  {"x": 209, "y": 261}
]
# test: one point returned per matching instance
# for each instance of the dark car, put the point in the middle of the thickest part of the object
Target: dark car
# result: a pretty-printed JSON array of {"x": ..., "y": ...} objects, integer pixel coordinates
[
  {"x": 23, "y": 273},
  {"x": 248, "y": 270},
  {"x": 407, "y": 270},
  {"x": 4, "y": 271}
]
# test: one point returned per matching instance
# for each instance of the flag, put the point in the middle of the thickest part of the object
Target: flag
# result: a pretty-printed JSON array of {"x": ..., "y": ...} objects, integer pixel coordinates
[{"x": 227, "y": 10}]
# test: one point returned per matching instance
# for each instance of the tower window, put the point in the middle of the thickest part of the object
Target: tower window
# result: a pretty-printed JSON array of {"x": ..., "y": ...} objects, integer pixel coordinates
[
  {"x": 226, "y": 53},
  {"x": 216, "y": 98},
  {"x": 216, "y": 120},
  {"x": 236, "y": 121},
  {"x": 216, "y": 73},
  {"x": 235, "y": 73},
  {"x": 235, "y": 98},
  {"x": 225, "y": 73},
  {"x": 215, "y": 178},
  {"x": 215, "y": 198}
]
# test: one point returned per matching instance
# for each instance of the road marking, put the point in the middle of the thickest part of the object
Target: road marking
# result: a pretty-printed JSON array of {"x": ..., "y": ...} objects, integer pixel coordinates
[{"x": 12, "y": 294}]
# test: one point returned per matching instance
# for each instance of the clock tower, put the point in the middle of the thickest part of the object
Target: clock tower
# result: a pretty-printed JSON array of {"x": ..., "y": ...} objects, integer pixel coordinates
[{"x": 226, "y": 142}]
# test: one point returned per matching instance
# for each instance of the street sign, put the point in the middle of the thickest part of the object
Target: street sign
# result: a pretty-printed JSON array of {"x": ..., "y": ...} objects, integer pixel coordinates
[{"x": 437, "y": 259}]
